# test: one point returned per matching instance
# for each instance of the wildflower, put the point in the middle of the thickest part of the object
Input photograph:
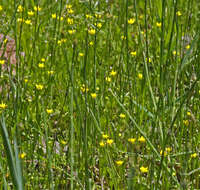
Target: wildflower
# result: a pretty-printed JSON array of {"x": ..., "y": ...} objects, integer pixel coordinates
[
  {"x": 109, "y": 141},
  {"x": 144, "y": 169},
  {"x": 194, "y": 155},
  {"x": 140, "y": 76},
  {"x": 119, "y": 162},
  {"x": 39, "y": 86},
  {"x": 161, "y": 153},
  {"x": 132, "y": 140},
  {"x": 41, "y": 65},
  {"x": 119, "y": 134},
  {"x": 92, "y": 31},
  {"x": 99, "y": 25},
  {"x": 83, "y": 89},
  {"x": 88, "y": 16},
  {"x": 70, "y": 21},
  {"x": 188, "y": 113},
  {"x": 108, "y": 79},
  {"x": 81, "y": 54},
  {"x": 3, "y": 105},
  {"x": 105, "y": 136},
  {"x": 63, "y": 142},
  {"x": 25, "y": 80},
  {"x": 91, "y": 43},
  {"x": 187, "y": 47},
  {"x": 2, "y": 62},
  {"x": 168, "y": 149},
  {"x": 186, "y": 122},
  {"x": 5, "y": 41},
  {"x": 30, "y": 13},
  {"x": 20, "y": 20},
  {"x": 71, "y": 31},
  {"x": 70, "y": 11},
  {"x": 102, "y": 144},
  {"x": 158, "y": 24},
  {"x": 131, "y": 21},
  {"x": 113, "y": 73},
  {"x": 22, "y": 155},
  {"x": 122, "y": 115},
  {"x": 37, "y": 8},
  {"x": 97, "y": 16},
  {"x": 93, "y": 95},
  {"x": 174, "y": 52},
  {"x": 61, "y": 18},
  {"x": 133, "y": 53},
  {"x": 49, "y": 111},
  {"x": 53, "y": 16},
  {"x": 142, "y": 139},
  {"x": 149, "y": 60},
  {"x": 68, "y": 6},
  {"x": 178, "y": 13},
  {"x": 19, "y": 9},
  {"x": 43, "y": 60},
  {"x": 28, "y": 22},
  {"x": 50, "y": 72},
  {"x": 123, "y": 37},
  {"x": 1, "y": 8}
]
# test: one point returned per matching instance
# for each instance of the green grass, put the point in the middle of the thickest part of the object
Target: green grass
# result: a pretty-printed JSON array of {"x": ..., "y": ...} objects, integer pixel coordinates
[{"x": 102, "y": 95}]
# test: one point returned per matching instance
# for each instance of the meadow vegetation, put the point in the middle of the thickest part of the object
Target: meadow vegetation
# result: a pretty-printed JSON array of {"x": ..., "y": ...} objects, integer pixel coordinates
[{"x": 99, "y": 94}]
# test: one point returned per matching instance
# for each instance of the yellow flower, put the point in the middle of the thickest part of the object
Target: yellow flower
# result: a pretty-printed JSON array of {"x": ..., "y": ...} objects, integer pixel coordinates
[
  {"x": 22, "y": 155},
  {"x": 142, "y": 139},
  {"x": 71, "y": 31},
  {"x": 122, "y": 115},
  {"x": 53, "y": 16},
  {"x": 102, "y": 144},
  {"x": 186, "y": 122},
  {"x": 50, "y": 72},
  {"x": 92, "y": 31},
  {"x": 94, "y": 95},
  {"x": 187, "y": 47},
  {"x": 140, "y": 76},
  {"x": 144, "y": 169},
  {"x": 105, "y": 136},
  {"x": 131, "y": 20},
  {"x": 61, "y": 18},
  {"x": 132, "y": 140},
  {"x": 178, "y": 13},
  {"x": 123, "y": 37},
  {"x": 39, "y": 86},
  {"x": 194, "y": 155},
  {"x": 30, "y": 13},
  {"x": 168, "y": 149},
  {"x": 91, "y": 43},
  {"x": 1, "y": 8},
  {"x": 70, "y": 20},
  {"x": 43, "y": 60},
  {"x": 63, "y": 142},
  {"x": 68, "y": 6},
  {"x": 2, "y": 62},
  {"x": 37, "y": 8},
  {"x": 49, "y": 111},
  {"x": 161, "y": 153},
  {"x": 81, "y": 54},
  {"x": 108, "y": 79},
  {"x": 41, "y": 65},
  {"x": 158, "y": 24},
  {"x": 119, "y": 134},
  {"x": 25, "y": 80},
  {"x": 83, "y": 88},
  {"x": 113, "y": 73},
  {"x": 119, "y": 162},
  {"x": 88, "y": 16},
  {"x": 97, "y": 15},
  {"x": 19, "y": 9},
  {"x": 188, "y": 113},
  {"x": 109, "y": 141},
  {"x": 28, "y": 22},
  {"x": 70, "y": 11},
  {"x": 133, "y": 53},
  {"x": 99, "y": 25},
  {"x": 174, "y": 52},
  {"x": 3, "y": 106},
  {"x": 20, "y": 20}
]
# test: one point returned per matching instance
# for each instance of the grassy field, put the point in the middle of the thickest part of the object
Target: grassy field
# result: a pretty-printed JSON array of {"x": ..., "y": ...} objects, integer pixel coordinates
[{"x": 99, "y": 94}]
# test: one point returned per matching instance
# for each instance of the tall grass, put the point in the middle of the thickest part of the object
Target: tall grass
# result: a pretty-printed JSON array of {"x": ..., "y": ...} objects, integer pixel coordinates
[{"x": 103, "y": 94}]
